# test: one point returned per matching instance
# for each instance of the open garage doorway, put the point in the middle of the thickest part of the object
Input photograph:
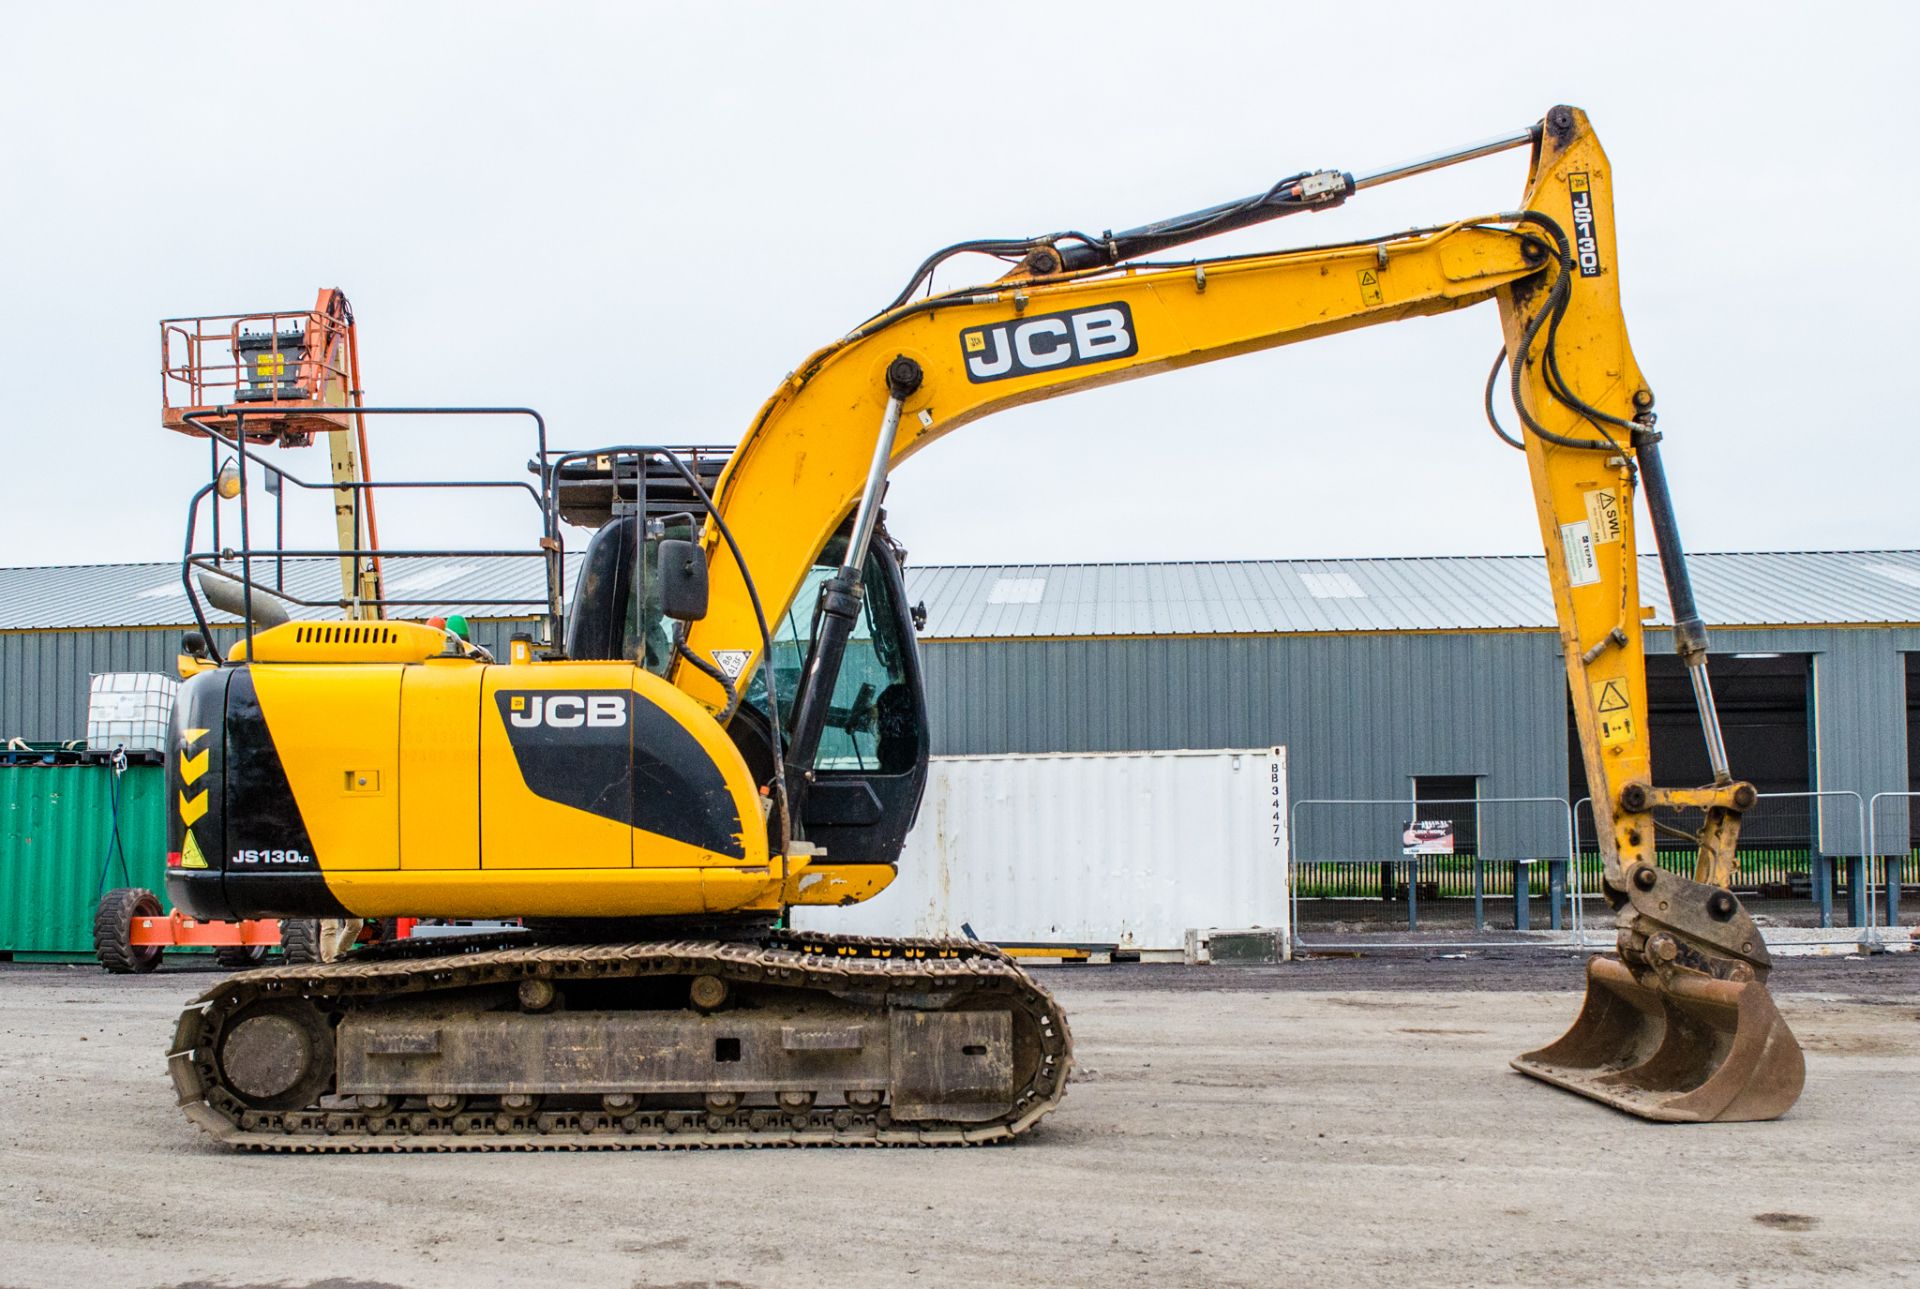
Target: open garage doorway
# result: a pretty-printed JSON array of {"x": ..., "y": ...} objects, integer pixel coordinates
[
  {"x": 1903, "y": 891},
  {"x": 1765, "y": 712},
  {"x": 1913, "y": 747}
]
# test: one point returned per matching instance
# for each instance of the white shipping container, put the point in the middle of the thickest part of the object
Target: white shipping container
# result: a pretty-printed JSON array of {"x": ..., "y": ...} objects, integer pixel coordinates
[
  {"x": 1123, "y": 848},
  {"x": 130, "y": 709}
]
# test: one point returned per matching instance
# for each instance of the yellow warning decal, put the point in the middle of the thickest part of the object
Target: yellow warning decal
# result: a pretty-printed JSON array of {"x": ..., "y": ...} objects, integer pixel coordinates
[
  {"x": 1370, "y": 287},
  {"x": 191, "y": 808},
  {"x": 1616, "y": 728},
  {"x": 1610, "y": 695},
  {"x": 1615, "y": 712},
  {"x": 273, "y": 364},
  {"x": 1603, "y": 515},
  {"x": 190, "y": 854}
]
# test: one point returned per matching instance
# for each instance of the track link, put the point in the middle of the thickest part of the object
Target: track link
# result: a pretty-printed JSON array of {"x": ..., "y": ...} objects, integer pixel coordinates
[{"x": 821, "y": 965}]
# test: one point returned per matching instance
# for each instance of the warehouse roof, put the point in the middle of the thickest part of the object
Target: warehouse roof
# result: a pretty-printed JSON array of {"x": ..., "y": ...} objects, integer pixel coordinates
[
  {"x": 150, "y": 595},
  {"x": 1442, "y": 593},
  {"x": 1793, "y": 588}
]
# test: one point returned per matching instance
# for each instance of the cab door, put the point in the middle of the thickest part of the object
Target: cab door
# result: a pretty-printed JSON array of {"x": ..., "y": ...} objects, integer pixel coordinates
[{"x": 871, "y": 766}]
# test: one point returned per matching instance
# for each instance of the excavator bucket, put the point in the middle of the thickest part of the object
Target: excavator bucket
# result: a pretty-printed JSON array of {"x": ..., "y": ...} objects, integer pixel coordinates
[{"x": 1696, "y": 1050}]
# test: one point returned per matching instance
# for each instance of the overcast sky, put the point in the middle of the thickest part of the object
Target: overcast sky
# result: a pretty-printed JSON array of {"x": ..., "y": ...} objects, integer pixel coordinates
[{"x": 639, "y": 218}]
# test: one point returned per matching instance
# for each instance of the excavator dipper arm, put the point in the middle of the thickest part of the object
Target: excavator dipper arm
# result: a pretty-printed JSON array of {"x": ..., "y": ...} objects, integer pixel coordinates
[{"x": 1681, "y": 1027}]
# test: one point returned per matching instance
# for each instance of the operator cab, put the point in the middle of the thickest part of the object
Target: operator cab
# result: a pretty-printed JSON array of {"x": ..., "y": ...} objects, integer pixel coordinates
[{"x": 870, "y": 768}]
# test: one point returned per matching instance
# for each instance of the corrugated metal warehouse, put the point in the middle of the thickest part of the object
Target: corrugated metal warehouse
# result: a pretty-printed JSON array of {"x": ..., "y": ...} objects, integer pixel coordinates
[{"x": 1384, "y": 678}]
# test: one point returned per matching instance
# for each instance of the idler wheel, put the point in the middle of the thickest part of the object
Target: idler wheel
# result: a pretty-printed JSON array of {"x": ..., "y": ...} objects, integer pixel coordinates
[
  {"x": 707, "y": 993},
  {"x": 277, "y": 1054}
]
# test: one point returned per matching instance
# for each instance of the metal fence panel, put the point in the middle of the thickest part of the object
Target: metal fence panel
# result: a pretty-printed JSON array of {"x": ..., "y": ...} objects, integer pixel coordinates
[
  {"x": 1777, "y": 857},
  {"x": 1363, "y": 855},
  {"x": 1892, "y": 849}
]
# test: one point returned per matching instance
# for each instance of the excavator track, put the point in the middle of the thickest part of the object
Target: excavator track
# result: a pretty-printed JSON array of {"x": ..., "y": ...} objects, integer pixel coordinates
[{"x": 258, "y": 1060}]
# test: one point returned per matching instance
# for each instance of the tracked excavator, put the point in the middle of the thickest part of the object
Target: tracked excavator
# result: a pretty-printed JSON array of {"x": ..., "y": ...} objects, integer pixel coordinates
[{"x": 727, "y": 721}]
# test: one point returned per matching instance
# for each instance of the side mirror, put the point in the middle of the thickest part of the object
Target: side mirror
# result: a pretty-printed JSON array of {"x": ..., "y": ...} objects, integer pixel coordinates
[{"x": 683, "y": 580}]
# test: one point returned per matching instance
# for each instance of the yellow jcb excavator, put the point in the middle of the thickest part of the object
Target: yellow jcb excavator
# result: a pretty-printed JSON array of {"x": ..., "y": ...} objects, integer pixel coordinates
[{"x": 728, "y": 721}]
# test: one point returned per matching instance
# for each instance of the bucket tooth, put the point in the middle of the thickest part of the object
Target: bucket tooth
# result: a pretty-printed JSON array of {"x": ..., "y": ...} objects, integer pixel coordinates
[{"x": 1691, "y": 1049}]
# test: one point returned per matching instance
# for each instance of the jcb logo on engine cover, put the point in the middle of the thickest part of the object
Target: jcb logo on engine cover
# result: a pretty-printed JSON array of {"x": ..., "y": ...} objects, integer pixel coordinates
[
  {"x": 1048, "y": 341},
  {"x": 565, "y": 711}
]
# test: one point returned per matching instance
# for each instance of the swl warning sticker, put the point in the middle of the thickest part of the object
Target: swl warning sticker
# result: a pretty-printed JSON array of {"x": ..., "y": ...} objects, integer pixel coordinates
[
  {"x": 1583, "y": 568},
  {"x": 1603, "y": 515}
]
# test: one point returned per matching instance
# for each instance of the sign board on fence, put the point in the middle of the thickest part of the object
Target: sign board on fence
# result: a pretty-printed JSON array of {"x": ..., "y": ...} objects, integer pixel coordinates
[{"x": 1427, "y": 837}]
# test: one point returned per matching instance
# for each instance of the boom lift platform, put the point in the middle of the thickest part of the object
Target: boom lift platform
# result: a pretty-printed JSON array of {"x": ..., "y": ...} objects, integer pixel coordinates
[
  {"x": 274, "y": 378},
  {"x": 281, "y": 377}
]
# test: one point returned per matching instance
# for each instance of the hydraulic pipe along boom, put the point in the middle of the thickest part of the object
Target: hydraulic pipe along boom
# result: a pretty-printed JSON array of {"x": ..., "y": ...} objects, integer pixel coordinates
[
  {"x": 1689, "y": 630},
  {"x": 842, "y": 595},
  {"x": 1317, "y": 190}
]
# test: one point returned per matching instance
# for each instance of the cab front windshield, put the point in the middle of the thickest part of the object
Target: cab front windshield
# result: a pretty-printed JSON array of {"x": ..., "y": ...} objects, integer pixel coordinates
[{"x": 873, "y": 720}]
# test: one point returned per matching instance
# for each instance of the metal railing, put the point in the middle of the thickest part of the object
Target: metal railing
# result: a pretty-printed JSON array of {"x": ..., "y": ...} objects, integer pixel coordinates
[
  {"x": 1559, "y": 822},
  {"x": 1782, "y": 836},
  {"x": 1791, "y": 821},
  {"x": 219, "y": 560},
  {"x": 1826, "y": 864},
  {"x": 298, "y": 354}
]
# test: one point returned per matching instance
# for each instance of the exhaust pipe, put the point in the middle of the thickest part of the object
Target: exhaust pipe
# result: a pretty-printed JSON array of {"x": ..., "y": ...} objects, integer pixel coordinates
[{"x": 229, "y": 595}]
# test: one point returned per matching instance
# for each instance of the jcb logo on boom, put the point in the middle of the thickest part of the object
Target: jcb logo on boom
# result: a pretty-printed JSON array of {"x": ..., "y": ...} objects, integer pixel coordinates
[
  {"x": 1049, "y": 341},
  {"x": 566, "y": 711}
]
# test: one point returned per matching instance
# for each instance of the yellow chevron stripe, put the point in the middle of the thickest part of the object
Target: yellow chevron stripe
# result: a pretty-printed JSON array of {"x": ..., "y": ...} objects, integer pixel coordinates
[
  {"x": 191, "y": 808},
  {"x": 190, "y": 737},
  {"x": 192, "y": 767}
]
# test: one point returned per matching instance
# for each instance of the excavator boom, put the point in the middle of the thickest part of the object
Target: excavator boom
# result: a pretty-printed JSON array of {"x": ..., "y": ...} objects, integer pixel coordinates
[{"x": 1079, "y": 314}]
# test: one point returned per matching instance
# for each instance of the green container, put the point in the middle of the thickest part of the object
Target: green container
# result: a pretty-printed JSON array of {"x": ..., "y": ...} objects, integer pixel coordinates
[{"x": 56, "y": 833}]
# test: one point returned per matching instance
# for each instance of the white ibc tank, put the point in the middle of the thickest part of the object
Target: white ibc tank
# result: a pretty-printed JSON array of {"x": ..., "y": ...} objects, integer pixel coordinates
[{"x": 130, "y": 709}]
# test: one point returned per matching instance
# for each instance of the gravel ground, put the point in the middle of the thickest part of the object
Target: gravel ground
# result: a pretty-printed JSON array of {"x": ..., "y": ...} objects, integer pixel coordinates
[{"x": 1335, "y": 1121}]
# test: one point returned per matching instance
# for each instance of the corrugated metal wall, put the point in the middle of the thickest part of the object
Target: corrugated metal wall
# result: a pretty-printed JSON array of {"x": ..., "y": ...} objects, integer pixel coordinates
[
  {"x": 44, "y": 674},
  {"x": 1358, "y": 715}
]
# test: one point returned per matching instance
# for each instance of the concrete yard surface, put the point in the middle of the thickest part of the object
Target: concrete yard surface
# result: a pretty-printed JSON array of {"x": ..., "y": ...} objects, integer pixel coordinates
[{"x": 1326, "y": 1123}]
